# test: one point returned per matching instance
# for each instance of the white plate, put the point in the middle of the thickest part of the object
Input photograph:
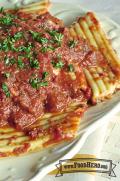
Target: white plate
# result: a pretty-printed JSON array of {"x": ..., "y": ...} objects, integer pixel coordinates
[{"x": 35, "y": 166}]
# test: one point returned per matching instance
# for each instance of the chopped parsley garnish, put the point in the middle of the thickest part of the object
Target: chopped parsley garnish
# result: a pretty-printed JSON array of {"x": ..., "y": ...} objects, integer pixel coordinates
[
  {"x": 5, "y": 45},
  {"x": 72, "y": 43},
  {"x": 70, "y": 68},
  {"x": 26, "y": 49},
  {"x": 20, "y": 62},
  {"x": 46, "y": 49},
  {"x": 18, "y": 35},
  {"x": 1, "y": 10},
  {"x": 42, "y": 40},
  {"x": 8, "y": 43},
  {"x": 34, "y": 63},
  {"x": 44, "y": 75},
  {"x": 6, "y": 19},
  {"x": 52, "y": 32},
  {"x": 37, "y": 36},
  {"x": 36, "y": 83},
  {"x": 58, "y": 64},
  {"x": 9, "y": 61},
  {"x": 5, "y": 89},
  {"x": 57, "y": 37},
  {"x": 6, "y": 74},
  {"x": 29, "y": 55},
  {"x": 12, "y": 61},
  {"x": 21, "y": 48},
  {"x": 34, "y": 34},
  {"x": 12, "y": 47}
]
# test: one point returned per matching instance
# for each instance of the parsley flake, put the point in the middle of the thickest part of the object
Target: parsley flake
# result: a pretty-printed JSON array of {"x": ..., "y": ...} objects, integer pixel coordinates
[
  {"x": 42, "y": 40},
  {"x": 72, "y": 43},
  {"x": 57, "y": 37},
  {"x": 6, "y": 19},
  {"x": 44, "y": 75},
  {"x": 34, "y": 34},
  {"x": 36, "y": 83},
  {"x": 37, "y": 36},
  {"x": 9, "y": 61},
  {"x": 20, "y": 63},
  {"x": 58, "y": 64},
  {"x": 1, "y": 9},
  {"x": 70, "y": 68},
  {"x": 5, "y": 89},
  {"x": 46, "y": 49},
  {"x": 26, "y": 49},
  {"x": 5, "y": 45},
  {"x": 18, "y": 35},
  {"x": 34, "y": 63},
  {"x": 6, "y": 74}
]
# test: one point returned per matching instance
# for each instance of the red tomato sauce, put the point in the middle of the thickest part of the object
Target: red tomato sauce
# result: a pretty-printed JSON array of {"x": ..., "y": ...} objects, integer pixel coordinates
[{"x": 37, "y": 59}]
